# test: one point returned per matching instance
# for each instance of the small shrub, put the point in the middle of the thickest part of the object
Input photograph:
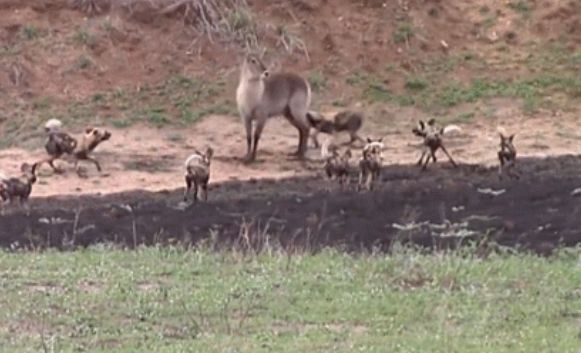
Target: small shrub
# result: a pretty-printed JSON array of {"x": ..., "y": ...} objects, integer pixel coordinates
[
  {"x": 376, "y": 92},
  {"x": 30, "y": 32},
  {"x": 522, "y": 7},
  {"x": 403, "y": 33},
  {"x": 157, "y": 115},
  {"x": 413, "y": 83},
  {"x": 42, "y": 103},
  {"x": 489, "y": 22},
  {"x": 317, "y": 80},
  {"x": 356, "y": 78},
  {"x": 99, "y": 98},
  {"x": 82, "y": 36},
  {"x": 84, "y": 62}
]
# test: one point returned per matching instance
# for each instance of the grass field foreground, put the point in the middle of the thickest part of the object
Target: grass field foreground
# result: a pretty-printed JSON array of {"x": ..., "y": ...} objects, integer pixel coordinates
[{"x": 168, "y": 299}]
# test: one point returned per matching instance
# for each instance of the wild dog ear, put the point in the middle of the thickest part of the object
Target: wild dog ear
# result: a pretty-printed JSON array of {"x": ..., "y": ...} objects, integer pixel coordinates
[
  {"x": 380, "y": 139},
  {"x": 369, "y": 140},
  {"x": 511, "y": 137},
  {"x": 431, "y": 122},
  {"x": 88, "y": 130},
  {"x": 348, "y": 153},
  {"x": 312, "y": 118},
  {"x": 24, "y": 167},
  {"x": 422, "y": 125},
  {"x": 209, "y": 152}
]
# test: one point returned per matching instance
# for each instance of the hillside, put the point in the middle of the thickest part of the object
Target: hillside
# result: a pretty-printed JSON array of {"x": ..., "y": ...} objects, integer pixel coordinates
[{"x": 152, "y": 70}]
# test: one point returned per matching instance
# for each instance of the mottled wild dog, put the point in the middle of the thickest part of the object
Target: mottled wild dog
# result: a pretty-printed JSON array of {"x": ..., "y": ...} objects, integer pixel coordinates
[
  {"x": 336, "y": 164},
  {"x": 92, "y": 137},
  {"x": 19, "y": 187},
  {"x": 370, "y": 163},
  {"x": 432, "y": 142},
  {"x": 262, "y": 94},
  {"x": 343, "y": 121},
  {"x": 198, "y": 173},
  {"x": 507, "y": 156},
  {"x": 57, "y": 144}
]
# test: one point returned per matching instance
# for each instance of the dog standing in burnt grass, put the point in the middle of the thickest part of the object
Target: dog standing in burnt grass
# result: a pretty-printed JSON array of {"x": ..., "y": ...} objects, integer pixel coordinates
[
  {"x": 370, "y": 163},
  {"x": 507, "y": 157},
  {"x": 198, "y": 173},
  {"x": 432, "y": 142},
  {"x": 336, "y": 164},
  {"x": 18, "y": 187}
]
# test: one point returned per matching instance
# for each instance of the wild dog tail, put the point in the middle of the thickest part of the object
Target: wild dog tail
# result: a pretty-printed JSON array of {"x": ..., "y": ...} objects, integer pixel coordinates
[
  {"x": 501, "y": 130},
  {"x": 329, "y": 149},
  {"x": 451, "y": 129}
]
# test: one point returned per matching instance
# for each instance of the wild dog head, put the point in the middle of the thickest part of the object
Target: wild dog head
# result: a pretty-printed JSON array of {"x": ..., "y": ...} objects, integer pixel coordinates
[
  {"x": 507, "y": 149},
  {"x": 320, "y": 124},
  {"x": 373, "y": 149},
  {"x": 93, "y": 137}
]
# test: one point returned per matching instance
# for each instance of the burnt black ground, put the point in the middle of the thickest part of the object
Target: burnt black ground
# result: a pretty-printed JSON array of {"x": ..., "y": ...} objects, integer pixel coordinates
[{"x": 536, "y": 212}]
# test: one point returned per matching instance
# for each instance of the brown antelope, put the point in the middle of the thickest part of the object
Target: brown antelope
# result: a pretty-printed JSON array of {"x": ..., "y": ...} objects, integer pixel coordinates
[{"x": 262, "y": 94}]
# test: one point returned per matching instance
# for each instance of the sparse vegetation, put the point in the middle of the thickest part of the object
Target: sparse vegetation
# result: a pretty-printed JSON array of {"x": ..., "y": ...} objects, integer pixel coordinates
[
  {"x": 84, "y": 62},
  {"x": 414, "y": 83},
  {"x": 403, "y": 33},
  {"x": 521, "y": 6},
  {"x": 317, "y": 80},
  {"x": 82, "y": 36},
  {"x": 30, "y": 32},
  {"x": 156, "y": 115}
]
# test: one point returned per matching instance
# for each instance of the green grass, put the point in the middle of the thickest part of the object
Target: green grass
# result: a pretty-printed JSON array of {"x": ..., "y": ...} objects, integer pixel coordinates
[
  {"x": 30, "y": 32},
  {"x": 317, "y": 80},
  {"x": 167, "y": 299}
]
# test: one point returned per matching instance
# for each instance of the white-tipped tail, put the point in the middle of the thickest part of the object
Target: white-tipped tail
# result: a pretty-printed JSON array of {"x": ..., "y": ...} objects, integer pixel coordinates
[
  {"x": 53, "y": 125},
  {"x": 328, "y": 148},
  {"x": 449, "y": 129},
  {"x": 501, "y": 130},
  {"x": 194, "y": 159}
]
